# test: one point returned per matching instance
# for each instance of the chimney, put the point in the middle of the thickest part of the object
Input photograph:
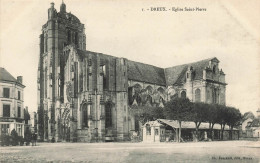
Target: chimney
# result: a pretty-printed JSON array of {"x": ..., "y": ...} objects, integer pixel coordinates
[{"x": 20, "y": 79}]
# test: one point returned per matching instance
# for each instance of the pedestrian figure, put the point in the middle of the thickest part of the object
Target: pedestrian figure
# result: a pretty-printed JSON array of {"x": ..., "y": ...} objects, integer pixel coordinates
[{"x": 34, "y": 139}]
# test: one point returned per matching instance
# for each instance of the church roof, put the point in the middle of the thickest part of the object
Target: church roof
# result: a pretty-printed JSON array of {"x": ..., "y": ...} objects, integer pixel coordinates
[
  {"x": 155, "y": 75},
  {"x": 6, "y": 76},
  {"x": 176, "y": 74},
  {"x": 137, "y": 71},
  {"x": 145, "y": 73}
]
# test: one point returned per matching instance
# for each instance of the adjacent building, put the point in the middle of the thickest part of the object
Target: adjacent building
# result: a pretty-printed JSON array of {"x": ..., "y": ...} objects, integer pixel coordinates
[
  {"x": 253, "y": 127},
  {"x": 246, "y": 121},
  {"x": 11, "y": 103},
  {"x": 87, "y": 96},
  {"x": 163, "y": 130}
]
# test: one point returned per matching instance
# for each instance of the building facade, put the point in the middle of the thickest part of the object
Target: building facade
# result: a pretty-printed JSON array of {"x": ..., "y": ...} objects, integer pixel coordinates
[
  {"x": 11, "y": 103},
  {"x": 163, "y": 130},
  {"x": 87, "y": 96},
  {"x": 253, "y": 126}
]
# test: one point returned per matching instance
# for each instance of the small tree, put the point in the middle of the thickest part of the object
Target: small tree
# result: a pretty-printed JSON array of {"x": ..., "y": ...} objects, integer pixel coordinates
[
  {"x": 234, "y": 118},
  {"x": 146, "y": 113},
  {"x": 178, "y": 109},
  {"x": 222, "y": 112},
  {"x": 212, "y": 118},
  {"x": 14, "y": 137},
  {"x": 198, "y": 114},
  {"x": 27, "y": 136}
]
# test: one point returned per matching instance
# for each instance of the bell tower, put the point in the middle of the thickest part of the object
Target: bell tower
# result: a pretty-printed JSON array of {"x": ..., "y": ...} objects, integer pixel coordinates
[{"x": 61, "y": 29}]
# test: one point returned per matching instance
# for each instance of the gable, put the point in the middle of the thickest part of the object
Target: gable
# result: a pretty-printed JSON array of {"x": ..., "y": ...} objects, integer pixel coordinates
[{"x": 176, "y": 74}]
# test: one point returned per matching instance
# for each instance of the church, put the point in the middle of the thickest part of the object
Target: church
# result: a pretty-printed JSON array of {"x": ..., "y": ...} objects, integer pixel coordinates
[{"x": 86, "y": 96}]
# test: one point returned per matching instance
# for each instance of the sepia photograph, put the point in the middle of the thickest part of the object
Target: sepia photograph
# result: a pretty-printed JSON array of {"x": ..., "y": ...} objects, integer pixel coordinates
[{"x": 129, "y": 81}]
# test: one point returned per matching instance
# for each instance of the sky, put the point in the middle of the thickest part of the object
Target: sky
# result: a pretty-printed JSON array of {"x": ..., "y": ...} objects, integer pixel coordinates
[{"x": 226, "y": 30}]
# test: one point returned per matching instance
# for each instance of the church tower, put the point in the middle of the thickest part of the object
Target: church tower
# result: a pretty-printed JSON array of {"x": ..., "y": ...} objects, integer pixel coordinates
[{"x": 61, "y": 29}]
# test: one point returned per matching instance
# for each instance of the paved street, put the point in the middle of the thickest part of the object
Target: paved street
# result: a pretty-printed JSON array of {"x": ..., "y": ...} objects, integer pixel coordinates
[{"x": 236, "y": 151}]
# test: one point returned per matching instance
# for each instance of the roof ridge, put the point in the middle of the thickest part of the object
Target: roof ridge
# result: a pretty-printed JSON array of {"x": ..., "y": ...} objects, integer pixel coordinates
[
  {"x": 145, "y": 64},
  {"x": 97, "y": 53},
  {"x": 192, "y": 62}
]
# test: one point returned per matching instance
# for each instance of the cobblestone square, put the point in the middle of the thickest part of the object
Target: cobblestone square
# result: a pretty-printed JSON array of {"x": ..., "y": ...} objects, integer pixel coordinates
[{"x": 233, "y": 151}]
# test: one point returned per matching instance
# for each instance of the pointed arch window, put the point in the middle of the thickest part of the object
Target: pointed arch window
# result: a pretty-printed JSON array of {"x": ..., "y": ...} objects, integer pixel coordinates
[
  {"x": 85, "y": 115},
  {"x": 108, "y": 112}
]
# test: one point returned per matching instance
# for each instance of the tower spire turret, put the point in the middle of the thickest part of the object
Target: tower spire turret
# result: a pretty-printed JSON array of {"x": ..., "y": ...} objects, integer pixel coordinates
[
  {"x": 51, "y": 11},
  {"x": 63, "y": 7}
]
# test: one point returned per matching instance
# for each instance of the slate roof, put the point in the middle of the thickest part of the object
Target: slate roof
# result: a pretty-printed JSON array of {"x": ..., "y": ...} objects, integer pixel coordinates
[
  {"x": 6, "y": 76},
  {"x": 255, "y": 123},
  {"x": 145, "y": 73},
  {"x": 153, "y": 123},
  {"x": 176, "y": 74},
  {"x": 137, "y": 71},
  {"x": 155, "y": 75}
]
